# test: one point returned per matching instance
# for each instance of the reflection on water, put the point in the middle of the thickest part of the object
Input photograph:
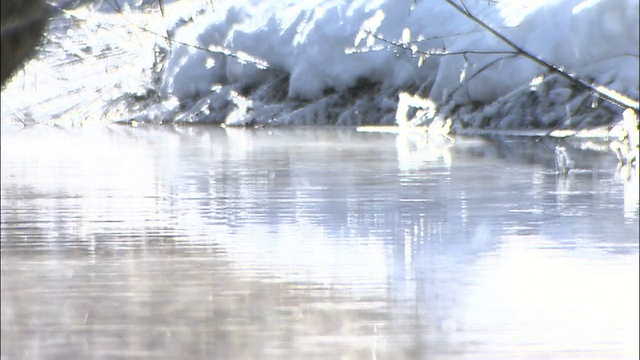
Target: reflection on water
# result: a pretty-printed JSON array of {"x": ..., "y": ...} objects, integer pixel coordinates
[{"x": 301, "y": 243}]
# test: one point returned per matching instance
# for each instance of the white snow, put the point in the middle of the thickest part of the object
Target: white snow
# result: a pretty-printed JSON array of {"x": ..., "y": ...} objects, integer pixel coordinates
[{"x": 333, "y": 61}]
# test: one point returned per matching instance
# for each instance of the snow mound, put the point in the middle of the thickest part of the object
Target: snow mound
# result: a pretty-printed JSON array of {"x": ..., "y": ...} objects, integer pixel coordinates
[{"x": 346, "y": 62}]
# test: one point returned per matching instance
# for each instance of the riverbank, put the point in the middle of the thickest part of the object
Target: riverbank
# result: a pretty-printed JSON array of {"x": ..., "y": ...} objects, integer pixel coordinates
[{"x": 342, "y": 63}]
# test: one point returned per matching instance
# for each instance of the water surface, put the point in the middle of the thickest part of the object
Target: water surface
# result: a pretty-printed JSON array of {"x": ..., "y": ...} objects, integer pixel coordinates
[{"x": 325, "y": 243}]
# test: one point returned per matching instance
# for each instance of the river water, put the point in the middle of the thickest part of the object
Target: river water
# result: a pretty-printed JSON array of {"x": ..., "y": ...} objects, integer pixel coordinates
[{"x": 299, "y": 243}]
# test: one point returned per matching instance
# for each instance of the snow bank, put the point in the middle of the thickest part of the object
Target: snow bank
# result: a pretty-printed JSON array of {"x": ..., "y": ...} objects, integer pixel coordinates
[
  {"x": 343, "y": 56},
  {"x": 347, "y": 62}
]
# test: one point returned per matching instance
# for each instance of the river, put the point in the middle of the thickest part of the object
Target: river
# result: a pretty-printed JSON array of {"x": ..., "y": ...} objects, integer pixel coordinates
[{"x": 299, "y": 243}]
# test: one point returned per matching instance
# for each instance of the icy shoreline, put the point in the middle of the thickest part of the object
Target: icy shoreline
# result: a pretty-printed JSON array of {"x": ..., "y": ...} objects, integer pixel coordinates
[{"x": 332, "y": 62}]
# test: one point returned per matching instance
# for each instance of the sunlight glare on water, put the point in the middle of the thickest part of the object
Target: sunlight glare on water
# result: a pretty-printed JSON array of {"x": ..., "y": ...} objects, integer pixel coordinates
[{"x": 178, "y": 242}]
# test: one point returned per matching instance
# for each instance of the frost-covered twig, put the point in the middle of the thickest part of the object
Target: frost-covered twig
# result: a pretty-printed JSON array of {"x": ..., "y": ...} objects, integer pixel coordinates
[
  {"x": 215, "y": 49},
  {"x": 438, "y": 52},
  {"x": 614, "y": 98}
]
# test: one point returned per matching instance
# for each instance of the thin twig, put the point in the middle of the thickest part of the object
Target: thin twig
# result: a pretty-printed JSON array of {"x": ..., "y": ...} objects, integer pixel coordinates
[
  {"x": 439, "y": 52},
  {"x": 483, "y": 68}
]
